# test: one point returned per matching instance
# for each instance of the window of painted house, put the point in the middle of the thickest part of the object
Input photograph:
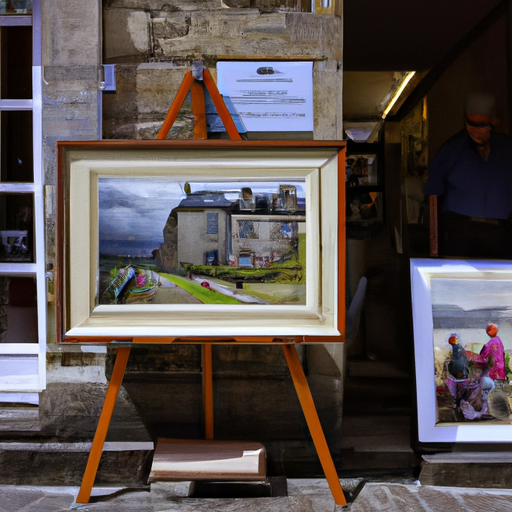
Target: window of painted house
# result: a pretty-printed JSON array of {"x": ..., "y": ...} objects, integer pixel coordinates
[
  {"x": 212, "y": 223},
  {"x": 22, "y": 266},
  {"x": 15, "y": 6}
]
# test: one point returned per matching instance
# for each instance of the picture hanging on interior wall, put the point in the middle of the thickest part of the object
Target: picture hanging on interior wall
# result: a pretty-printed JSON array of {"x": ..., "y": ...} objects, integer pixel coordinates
[
  {"x": 462, "y": 315},
  {"x": 200, "y": 238}
]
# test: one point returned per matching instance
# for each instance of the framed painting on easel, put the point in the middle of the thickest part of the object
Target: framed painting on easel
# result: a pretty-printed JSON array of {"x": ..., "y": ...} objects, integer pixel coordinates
[{"x": 201, "y": 238}]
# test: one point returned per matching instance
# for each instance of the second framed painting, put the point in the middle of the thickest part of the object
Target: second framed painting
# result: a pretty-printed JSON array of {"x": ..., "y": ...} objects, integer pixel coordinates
[{"x": 462, "y": 315}]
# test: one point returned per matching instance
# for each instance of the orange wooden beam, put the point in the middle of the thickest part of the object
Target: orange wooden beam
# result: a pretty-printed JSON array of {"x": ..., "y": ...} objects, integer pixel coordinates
[
  {"x": 222, "y": 110},
  {"x": 103, "y": 424},
  {"x": 198, "y": 110},
  {"x": 315, "y": 428},
  {"x": 206, "y": 356},
  {"x": 176, "y": 105}
]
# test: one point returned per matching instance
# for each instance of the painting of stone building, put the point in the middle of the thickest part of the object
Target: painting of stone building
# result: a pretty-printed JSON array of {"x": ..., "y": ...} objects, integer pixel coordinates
[
  {"x": 259, "y": 240},
  {"x": 217, "y": 236}
]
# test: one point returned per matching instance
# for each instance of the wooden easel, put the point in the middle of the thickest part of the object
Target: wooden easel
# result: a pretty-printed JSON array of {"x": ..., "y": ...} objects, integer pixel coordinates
[{"x": 192, "y": 82}]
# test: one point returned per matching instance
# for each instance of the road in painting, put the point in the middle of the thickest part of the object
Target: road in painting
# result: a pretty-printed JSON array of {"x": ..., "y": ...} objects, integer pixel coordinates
[
  {"x": 168, "y": 242},
  {"x": 472, "y": 346}
]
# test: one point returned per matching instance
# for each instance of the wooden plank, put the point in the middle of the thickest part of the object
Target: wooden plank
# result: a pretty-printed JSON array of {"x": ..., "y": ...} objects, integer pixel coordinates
[{"x": 202, "y": 459}]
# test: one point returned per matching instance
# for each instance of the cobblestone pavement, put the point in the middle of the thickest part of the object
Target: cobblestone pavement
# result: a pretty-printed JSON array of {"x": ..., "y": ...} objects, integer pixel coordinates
[{"x": 304, "y": 495}]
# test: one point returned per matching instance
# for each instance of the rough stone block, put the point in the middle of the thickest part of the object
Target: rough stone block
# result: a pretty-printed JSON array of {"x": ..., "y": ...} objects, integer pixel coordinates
[
  {"x": 156, "y": 85},
  {"x": 171, "y": 26},
  {"x": 328, "y": 104},
  {"x": 167, "y": 5},
  {"x": 327, "y": 360},
  {"x": 144, "y": 94},
  {"x": 492, "y": 469},
  {"x": 70, "y": 102},
  {"x": 71, "y": 32},
  {"x": 126, "y": 35},
  {"x": 163, "y": 358},
  {"x": 64, "y": 464},
  {"x": 229, "y": 34}
]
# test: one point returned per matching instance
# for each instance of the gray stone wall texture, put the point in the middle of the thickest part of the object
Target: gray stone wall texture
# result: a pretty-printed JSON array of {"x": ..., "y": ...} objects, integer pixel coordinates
[{"x": 153, "y": 44}]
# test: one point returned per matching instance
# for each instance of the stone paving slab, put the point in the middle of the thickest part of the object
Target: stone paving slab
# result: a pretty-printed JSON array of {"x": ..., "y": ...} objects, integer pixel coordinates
[{"x": 416, "y": 498}]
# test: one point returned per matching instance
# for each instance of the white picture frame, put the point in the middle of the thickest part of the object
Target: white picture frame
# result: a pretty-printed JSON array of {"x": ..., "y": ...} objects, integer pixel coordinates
[
  {"x": 453, "y": 302},
  {"x": 318, "y": 166}
]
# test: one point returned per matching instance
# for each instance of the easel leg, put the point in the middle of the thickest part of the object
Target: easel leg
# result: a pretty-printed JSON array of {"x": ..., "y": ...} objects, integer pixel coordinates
[
  {"x": 315, "y": 428},
  {"x": 103, "y": 424},
  {"x": 206, "y": 357}
]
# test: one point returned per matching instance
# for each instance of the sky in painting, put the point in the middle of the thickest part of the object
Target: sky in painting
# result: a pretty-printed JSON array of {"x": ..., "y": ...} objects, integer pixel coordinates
[
  {"x": 133, "y": 211},
  {"x": 471, "y": 294}
]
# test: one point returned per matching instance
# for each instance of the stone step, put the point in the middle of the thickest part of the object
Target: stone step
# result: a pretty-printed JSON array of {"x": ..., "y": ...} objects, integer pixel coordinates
[
  {"x": 43, "y": 456},
  {"x": 63, "y": 463},
  {"x": 489, "y": 469},
  {"x": 375, "y": 369}
]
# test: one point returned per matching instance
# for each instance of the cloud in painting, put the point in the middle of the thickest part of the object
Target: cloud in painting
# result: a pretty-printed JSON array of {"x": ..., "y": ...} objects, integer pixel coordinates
[
  {"x": 135, "y": 210},
  {"x": 472, "y": 294}
]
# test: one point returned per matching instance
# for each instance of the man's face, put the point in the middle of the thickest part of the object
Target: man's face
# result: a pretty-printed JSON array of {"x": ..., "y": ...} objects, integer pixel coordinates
[{"x": 479, "y": 127}]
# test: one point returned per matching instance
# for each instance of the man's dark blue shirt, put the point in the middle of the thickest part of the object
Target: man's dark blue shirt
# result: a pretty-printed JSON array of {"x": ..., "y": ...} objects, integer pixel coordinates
[{"x": 467, "y": 183}]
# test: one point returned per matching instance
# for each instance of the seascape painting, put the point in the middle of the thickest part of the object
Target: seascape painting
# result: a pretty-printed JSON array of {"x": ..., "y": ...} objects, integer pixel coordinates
[{"x": 164, "y": 241}]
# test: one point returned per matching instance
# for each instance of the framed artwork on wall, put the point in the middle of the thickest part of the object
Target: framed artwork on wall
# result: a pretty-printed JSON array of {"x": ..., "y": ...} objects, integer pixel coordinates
[
  {"x": 198, "y": 238},
  {"x": 462, "y": 316}
]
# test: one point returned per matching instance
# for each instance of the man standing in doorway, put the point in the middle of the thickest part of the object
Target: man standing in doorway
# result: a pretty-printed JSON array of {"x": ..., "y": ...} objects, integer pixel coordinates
[{"x": 472, "y": 176}]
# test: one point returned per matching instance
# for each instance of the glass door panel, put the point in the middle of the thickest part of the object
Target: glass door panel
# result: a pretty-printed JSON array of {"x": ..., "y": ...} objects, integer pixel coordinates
[
  {"x": 16, "y": 151},
  {"x": 16, "y": 63},
  {"x": 16, "y": 228},
  {"x": 18, "y": 310}
]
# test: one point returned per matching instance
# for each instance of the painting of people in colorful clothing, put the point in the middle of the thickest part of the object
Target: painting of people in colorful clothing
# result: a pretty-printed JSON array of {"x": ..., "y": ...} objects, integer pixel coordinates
[
  {"x": 472, "y": 348},
  {"x": 473, "y": 382}
]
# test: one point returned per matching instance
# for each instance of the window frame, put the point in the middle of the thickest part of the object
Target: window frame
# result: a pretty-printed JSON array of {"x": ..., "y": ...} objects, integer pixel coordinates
[{"x": 36, "y": 269}]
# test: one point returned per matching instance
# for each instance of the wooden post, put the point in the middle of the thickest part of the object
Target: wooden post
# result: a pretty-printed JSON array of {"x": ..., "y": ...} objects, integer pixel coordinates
[
  {"x": 199, "y": 110},
  {"x": 206, "y": 357},
  {"x": 433, "y": 227}
]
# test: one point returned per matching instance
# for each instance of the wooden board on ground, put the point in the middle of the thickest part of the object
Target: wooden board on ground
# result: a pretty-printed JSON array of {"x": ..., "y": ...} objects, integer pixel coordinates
[{"x": 199, "y": 459}]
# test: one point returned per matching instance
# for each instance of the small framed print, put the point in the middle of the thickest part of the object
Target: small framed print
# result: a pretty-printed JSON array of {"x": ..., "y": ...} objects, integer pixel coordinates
[
  {"x": 201, "y": 239},
  {"x": 462, "y": 316}
]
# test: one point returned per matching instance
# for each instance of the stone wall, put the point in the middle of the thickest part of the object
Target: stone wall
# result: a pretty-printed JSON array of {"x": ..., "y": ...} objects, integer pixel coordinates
[
  {"x": 154, "y": 43},
  {"x": 71, "y": 60}
]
